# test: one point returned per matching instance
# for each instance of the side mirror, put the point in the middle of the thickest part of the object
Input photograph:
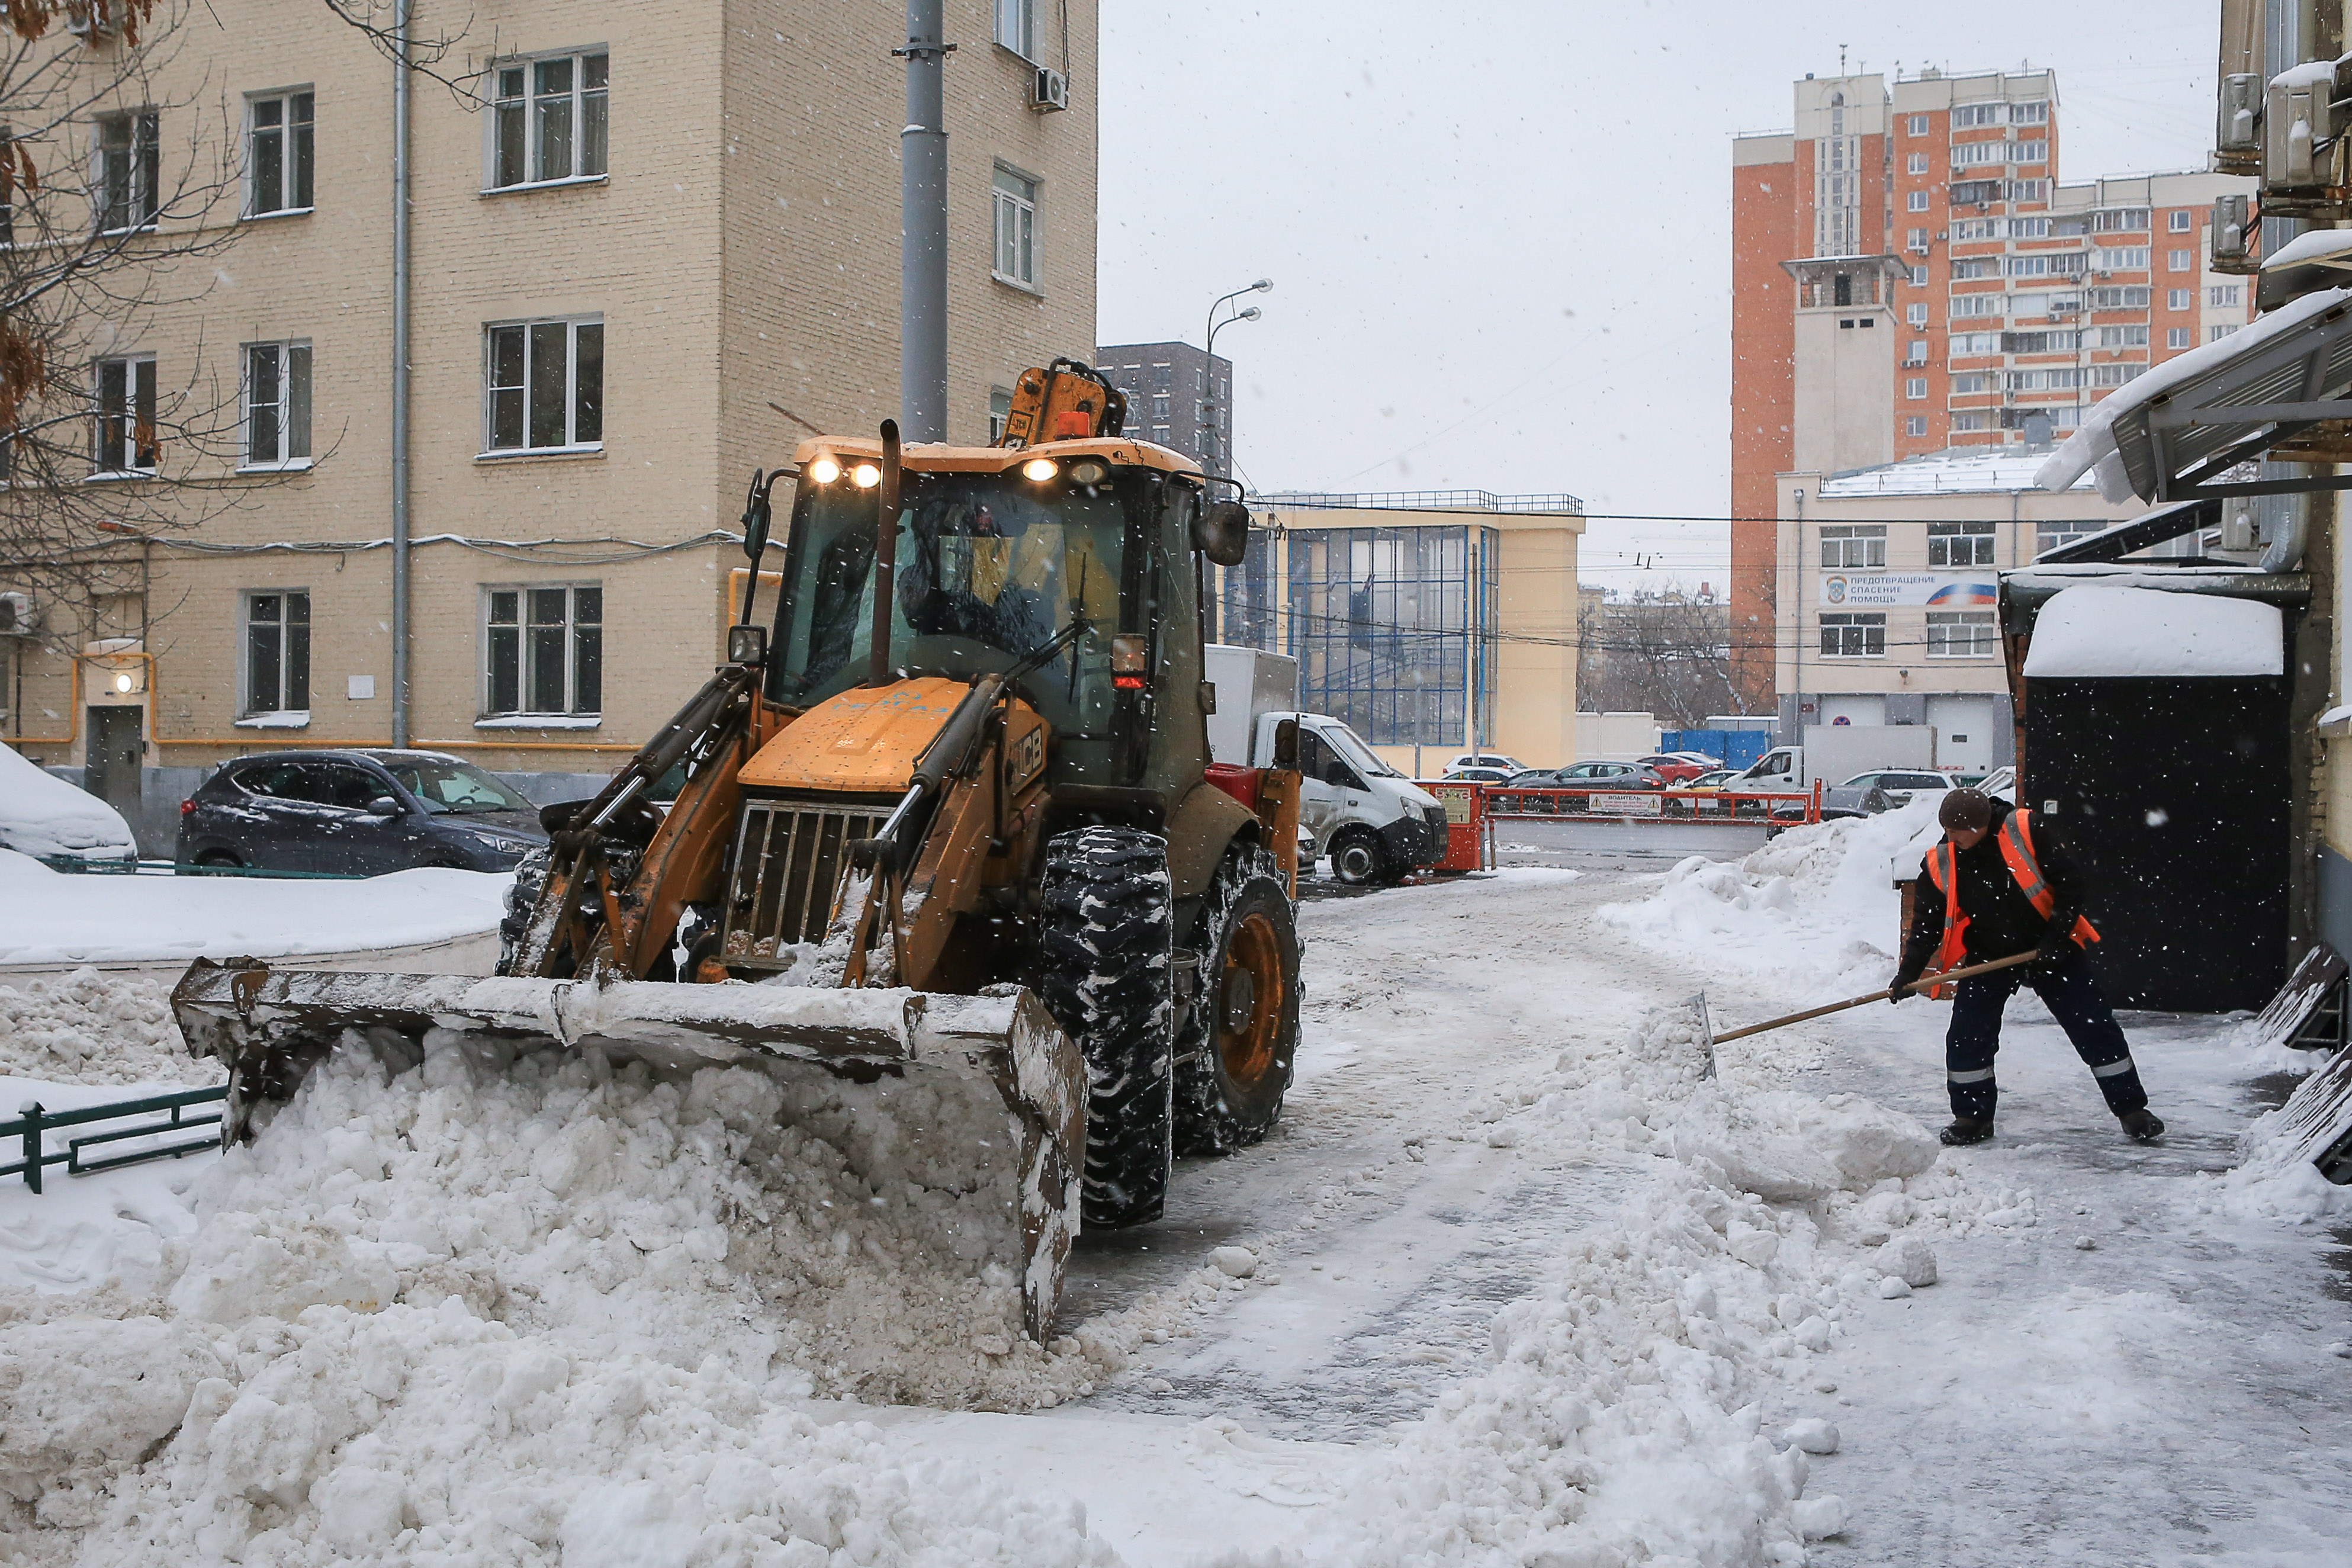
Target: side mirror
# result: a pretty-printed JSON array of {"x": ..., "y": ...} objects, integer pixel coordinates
[
  {"x": 1220, "y": 531},
  {"x": 755, "y": 530},
  {"x": 1285, "y": 745},
  {"x": 384, "y": 806}
]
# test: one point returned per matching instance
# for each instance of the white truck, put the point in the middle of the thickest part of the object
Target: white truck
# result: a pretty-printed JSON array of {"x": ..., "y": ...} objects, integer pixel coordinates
[
  {"x": 1375, "y": 824},
  {"x": 1835, "y": 752}
]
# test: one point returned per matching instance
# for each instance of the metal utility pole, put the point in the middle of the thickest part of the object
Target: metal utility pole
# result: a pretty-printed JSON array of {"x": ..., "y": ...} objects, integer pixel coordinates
[
  {"x": 400, "y": 282},
  {"x": 923, "y": 228}
]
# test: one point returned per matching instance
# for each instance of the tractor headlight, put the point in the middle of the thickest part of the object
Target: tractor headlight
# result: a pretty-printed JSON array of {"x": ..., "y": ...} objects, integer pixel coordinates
[
  {"x": 866, "y": 475},
  {"x": 1089, "y": 470},
  {"x": 825, "y": 470},
  {"x": 1039, "y": 469},
  {"x": 747, "y": 644}
]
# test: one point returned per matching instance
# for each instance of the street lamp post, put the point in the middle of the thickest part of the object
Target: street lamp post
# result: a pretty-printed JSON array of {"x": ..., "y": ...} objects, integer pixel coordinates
[{"x": 1247, "y": 313}]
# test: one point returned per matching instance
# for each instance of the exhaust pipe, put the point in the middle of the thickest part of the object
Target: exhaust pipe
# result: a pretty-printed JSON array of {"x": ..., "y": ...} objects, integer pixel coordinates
[{"x": 886, "y": 554}]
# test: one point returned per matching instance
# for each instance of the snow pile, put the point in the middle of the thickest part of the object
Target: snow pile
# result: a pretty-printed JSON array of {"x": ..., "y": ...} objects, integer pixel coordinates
[
  {"x": 104, "y": 918},
  {"x": 40, "y": 813},
  {"x": 2275, "y": 1177},
  {"x": 2099, "y": 630},
  {"x": 1618, "y": 1421},
  {"x": 92, "y": 1028},
  {"x": 1816, "y": 904}
]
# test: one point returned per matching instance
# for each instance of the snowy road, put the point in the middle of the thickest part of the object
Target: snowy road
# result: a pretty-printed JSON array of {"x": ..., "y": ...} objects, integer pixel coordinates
[{"x": 1494, "y": 1253}]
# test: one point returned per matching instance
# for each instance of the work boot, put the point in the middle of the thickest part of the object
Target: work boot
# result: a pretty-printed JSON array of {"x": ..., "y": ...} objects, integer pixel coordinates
[
  {"x": 2142, "y": 1126},
  {"x": 1967, "y": 1130}
]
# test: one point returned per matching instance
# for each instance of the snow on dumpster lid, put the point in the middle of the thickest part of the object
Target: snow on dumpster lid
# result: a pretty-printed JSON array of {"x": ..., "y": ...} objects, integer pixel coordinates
[{"x": 2100, "y": 631}]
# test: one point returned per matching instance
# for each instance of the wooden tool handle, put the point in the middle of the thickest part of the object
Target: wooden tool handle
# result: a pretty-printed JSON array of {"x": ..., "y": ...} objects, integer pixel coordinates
[{"x": 1922, "y": 984}]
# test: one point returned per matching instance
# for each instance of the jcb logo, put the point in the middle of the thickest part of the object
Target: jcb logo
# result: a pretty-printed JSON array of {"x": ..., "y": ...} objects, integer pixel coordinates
[{"x": 1027, "y": 761}]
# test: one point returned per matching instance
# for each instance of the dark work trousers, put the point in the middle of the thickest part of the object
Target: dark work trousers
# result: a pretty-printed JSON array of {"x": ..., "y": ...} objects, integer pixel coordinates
[{"x": 2074, "y": 999}]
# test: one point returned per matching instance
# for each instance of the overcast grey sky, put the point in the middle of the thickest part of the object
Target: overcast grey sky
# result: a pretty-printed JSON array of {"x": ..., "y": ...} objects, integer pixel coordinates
[{"x": 1499, "y": 231}]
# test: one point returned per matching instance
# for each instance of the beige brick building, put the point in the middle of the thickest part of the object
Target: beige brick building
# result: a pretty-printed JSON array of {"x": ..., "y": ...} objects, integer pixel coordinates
[{"x": 634, "y": 230}]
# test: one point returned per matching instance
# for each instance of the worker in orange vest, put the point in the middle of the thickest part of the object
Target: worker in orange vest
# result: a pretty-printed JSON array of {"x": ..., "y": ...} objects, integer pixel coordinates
[{"x": 1998, "y": 885}]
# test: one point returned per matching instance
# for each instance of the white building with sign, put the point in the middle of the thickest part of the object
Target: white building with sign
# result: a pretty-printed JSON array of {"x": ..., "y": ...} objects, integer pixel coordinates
[{"x": 1886, "y": 585}]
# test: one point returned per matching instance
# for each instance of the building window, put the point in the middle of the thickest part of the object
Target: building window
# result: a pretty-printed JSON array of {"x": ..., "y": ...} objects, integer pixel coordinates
[
  {"x": 1960, "y": 543},
  {"x": 1976, "y": 343},
  {"x": 1917, "y": 125},
  {"x": 1915, "y": 239},
  {"x": 1016, "y": 27},
  {"x": 276, "y": 652},
  {"x": 1915, "y": 425},
  {"x": 1846, "y": 545},
  {"x": 1853, "y": 636},
  {"x": 2123, "y": 337},
  {"x": 1000, "y": 413},
  {"x": 2122, "y": 259},
  {"x": 2224, "y": 294},
  {"x": 2036, "y": 113},
  {"x": 2180, "y": 221},
  {"x": 544, "y": 650},
  {"x": 1916, "y": 201},
  {"x": 2215, "y": 335},
  {"x": 1016, "y": 229},
  {"x": 1979, "y": 305},
  {"x": 2111, "y": 374},
  {"x": 2028, "y": 265},
  {"x": 2180, "y": 337},
  {"x": 2118, "y": 219},
  {"x": 2029, "y": 228},
  {"x": 1972, "y": 381},
  {"x": 1915, "y": 387},
  {"x": 1919, "y": 278},
  {"x": 1985, "y": 267},
  {"x": 2131, "y": 297},
  {"x": 1917, "y": 163},
  {"x": 1971, "y": 421},
  {"x": 278, "y": 155},
  {"x": 124, "y": 441},
  {"x": 128, "y": 170},
  {"x": 1915, "y": 351},
  {"x": 2179, "y": 299},
  {"x": 1961, "y": 634},
  {"x": 2029, "y": 190},
  {"x": 2181, "y": 262},
  {"x": 549, "y": 120},
  {"x": 277, "y": 406},
  {"x": 545, "y": 385}
]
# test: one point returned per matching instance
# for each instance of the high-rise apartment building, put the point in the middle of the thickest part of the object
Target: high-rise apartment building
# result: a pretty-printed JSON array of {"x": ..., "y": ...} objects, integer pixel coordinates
[
  {"x": 1177, "y": 397},
  {"x": 1910, "y": 273}
]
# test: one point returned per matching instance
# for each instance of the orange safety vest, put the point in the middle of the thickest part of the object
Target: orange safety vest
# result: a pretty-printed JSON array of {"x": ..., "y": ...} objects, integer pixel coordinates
[{"x": 2016, "y": 848}]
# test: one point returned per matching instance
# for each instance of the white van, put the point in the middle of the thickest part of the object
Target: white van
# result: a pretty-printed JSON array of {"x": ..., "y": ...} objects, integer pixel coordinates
[{"x": 1375, "y": 824}]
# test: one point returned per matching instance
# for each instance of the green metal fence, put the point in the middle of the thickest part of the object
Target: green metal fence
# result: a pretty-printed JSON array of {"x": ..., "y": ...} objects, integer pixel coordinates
[{"x": 31, "y": 1126}]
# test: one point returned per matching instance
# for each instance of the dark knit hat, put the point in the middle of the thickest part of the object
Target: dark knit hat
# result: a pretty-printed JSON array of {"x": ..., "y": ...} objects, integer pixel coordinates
[{"x": 1965, "y": 808}]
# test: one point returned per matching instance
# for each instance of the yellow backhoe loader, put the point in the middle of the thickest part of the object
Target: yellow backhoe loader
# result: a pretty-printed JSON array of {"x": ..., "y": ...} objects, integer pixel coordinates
[{"x": 948, "y": 859}]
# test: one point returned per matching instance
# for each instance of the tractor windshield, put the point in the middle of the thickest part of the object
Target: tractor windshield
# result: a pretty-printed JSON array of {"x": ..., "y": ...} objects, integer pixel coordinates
[{"x": 988, "y": 567}]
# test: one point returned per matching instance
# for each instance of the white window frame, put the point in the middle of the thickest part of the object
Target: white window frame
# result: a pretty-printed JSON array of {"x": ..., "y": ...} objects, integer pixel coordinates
[
  {"x": 2180, "y": 299},
  {"x": 2215, "y": 335},
  {"x": 1914, "y": 425},
  {"x": 1967, "y": 543},
  {"x": 492, "y": 388},
  {"x": 584, "y": 104},
  {"x": 298, "y": 164},
  {"x": 1917, "y": 126},
  {"x": 290, "y": 406},
  {"x": 2225, "y": 296},
  {"x": 1915, "y": 387},
  {"x": 1983, "y": 641},
  {"x": 2181, "y": 262},
  {"x": 1852, "y": 546},
  {"x": 1854, "y": 627},
  {"x": 528, "y": 652},
  {"x": 1016, "y": 27},
  {"x": 1916, "y": 164},
  {"x": 1013, "y": 217},
  {"x": 142, "y": 203},
  {"x": 2179, "y": 337},
  {"x": 1915, "y": 202},
  {"x": 2181, "y": 220},
  {"x": 246, "y": 708},
  {"x": 1914, "y": 315},
  {"x": 106, "y": 445}
]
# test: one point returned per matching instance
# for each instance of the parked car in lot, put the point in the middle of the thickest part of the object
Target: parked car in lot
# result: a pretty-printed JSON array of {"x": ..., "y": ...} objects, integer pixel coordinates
[
  {"x": 1476, "y": 775},
  {"x": 2000, "y": 783},
  {"x": 1508, "y": 765},
  {"x": 43, "y": 815},
  {"x": 1610, "y": 776},
  {"x": 1679, "y": 767},
  {"x": 356, "y": 814},
  {"x": 1709, "y": 783},
  {"x": 1898, "y": 784}
]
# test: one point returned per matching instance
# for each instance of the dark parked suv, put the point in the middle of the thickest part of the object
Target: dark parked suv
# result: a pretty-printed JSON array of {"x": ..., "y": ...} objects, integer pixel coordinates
[{"x": 357, "y": 813}]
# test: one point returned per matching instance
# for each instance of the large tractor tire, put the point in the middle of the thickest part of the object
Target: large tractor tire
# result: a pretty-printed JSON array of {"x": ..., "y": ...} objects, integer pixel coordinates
[
  {"x": 1106, "y": 974},
  {"x": 522, "y": 902},
  {"x": 1234, "y": 1058}
]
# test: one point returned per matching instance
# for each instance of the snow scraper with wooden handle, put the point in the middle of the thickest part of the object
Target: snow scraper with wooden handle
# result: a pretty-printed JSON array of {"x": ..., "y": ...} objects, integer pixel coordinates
[
  {"x": 1710, "y": 1039},
  {"x": 945, "y": 856}
]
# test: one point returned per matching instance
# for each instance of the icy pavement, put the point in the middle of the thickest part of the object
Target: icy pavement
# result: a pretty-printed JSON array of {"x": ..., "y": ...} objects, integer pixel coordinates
[{"x": 1498, "y": 1290}]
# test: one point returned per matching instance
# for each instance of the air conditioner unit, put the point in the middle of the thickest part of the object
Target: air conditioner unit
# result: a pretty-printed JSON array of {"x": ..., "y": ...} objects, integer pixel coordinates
[
  {"x": 92, "y": 18},
  {"x": 17, "y": 618},
  {"x": 1050, "y": 92}
]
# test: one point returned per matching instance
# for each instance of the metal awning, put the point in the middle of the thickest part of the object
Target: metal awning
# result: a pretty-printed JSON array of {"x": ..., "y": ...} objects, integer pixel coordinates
[{"x": 2281, "y": 388}]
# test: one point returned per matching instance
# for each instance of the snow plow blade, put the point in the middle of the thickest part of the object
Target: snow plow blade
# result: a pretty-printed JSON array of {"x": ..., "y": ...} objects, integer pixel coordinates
[{"x": 981, "y": 1097}]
